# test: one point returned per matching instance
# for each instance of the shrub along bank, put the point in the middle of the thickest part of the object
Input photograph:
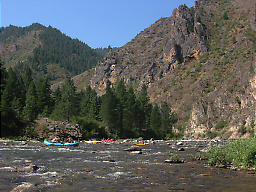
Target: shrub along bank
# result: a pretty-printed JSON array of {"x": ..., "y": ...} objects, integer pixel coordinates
[{"x": 240, "y": 153}]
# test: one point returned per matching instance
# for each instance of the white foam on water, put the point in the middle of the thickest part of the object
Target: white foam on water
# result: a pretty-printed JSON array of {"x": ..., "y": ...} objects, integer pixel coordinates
[
  {"x": 115, "y": 151},
  {"x": 25, "y": 149},
  {"x": 6, "y": 168},
  {"x": 43, "y": 175},
  {"x": 49, "y": 184},
  {"x": 5, "y": 149},
  {"x": 103, "y": 152},
  {"x": 64, "y": 149},
  {"x": 17, "y": 161},
  {"x": 158, "y": 153},
  {"x": 117, "y": 174},
  {"x": 99, "y": 177},
  {"x": 107, "y": 161}
]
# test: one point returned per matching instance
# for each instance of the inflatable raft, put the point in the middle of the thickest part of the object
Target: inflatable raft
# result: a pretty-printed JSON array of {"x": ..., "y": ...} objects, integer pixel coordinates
[
  {"x": 57, "y": 143},
  {"x": 140, "y": 143},
  {"x": 107, "y": 140},
  {"x": 92, "y": 141}
]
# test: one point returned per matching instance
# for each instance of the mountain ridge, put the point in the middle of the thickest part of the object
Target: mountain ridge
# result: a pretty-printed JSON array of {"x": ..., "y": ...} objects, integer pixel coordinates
[{"x": 200, "y": 60}]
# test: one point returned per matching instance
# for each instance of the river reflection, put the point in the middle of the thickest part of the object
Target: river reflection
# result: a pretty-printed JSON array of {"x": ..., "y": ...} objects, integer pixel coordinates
[{"x": 100, "y": 167}]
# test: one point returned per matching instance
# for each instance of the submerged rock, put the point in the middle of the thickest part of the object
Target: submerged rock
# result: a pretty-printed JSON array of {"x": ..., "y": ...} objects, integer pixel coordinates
[
  {"x": 26, "y": 187},
  {"x": 133, "y": 148}
]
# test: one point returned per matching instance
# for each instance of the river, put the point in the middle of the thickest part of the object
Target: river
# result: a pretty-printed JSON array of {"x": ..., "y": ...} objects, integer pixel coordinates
[{"x": 101, "y": 167}]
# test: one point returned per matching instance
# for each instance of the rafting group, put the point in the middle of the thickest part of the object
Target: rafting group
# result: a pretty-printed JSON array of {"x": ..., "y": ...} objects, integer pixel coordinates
[
  {"x": 111, "y": 140},
  {"x": 70, "y": 142},
  {"x": 101, "y": 141}
]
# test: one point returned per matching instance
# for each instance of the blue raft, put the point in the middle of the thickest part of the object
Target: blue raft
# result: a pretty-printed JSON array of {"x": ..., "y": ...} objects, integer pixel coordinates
[{"x": 57, "y": 143}]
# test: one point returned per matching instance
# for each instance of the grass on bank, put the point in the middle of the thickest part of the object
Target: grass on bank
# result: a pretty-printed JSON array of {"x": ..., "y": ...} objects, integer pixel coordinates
[{"x": 240, "y": 153}]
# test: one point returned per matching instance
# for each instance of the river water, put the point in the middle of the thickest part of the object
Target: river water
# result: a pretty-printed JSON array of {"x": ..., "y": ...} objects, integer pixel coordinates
[{"x": 100, "y": 167}]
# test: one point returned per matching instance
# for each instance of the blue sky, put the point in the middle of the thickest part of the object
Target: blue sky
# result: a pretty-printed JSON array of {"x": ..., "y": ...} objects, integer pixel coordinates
[{"x": 98, "y": 23}]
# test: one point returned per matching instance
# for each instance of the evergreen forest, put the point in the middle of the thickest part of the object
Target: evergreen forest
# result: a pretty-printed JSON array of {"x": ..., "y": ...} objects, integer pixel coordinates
[
  {"x": 50, "y": 48},
  {"x": 119, "y": 113}
]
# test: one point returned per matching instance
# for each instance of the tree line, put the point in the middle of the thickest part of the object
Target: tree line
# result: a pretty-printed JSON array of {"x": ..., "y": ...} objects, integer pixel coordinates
[{"x": 119, "y": 113}]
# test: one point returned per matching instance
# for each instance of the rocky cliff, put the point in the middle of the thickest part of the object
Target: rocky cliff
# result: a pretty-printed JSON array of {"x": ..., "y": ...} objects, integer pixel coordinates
[
  {"x": 156, "y": 51},
  {"x": 201, "y": 61}
]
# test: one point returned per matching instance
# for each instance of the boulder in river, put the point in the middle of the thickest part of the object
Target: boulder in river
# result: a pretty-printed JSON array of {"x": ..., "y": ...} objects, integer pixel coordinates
[
  {"x": 174, "y": 161},
  {"x": 179, "y": 143},
  {"x": 29, "y": 168},
  {"x": 26, "y": 187},
  {"x": 133, "y": 148},
  {"x": 181, "y": 149},
  {"x": 152, "y": 141}
]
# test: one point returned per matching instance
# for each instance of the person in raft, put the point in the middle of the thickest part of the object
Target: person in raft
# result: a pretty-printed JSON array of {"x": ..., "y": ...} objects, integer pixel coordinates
[
  {"x": 56, "y": 139},
  {"x": 69, "y": 139}
]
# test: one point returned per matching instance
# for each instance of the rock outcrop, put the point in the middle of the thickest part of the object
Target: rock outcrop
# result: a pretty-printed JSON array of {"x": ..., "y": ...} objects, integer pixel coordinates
[
  {"x": 155, "y": 52},
  {"x": 201, "y": 61},
  {"x": 47, "y": 128}
]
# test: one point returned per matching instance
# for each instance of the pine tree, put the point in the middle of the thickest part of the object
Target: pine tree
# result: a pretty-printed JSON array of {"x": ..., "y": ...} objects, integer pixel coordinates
[
  {"x": 155, "y": 123},
  {"x": 121, "y": 94},
  {"x": 95, "y": 108},
  {"x": 12, "y": 84},
  {"x": 27, "y": 78},
  {"x": 144, "y": 110},
  {"x": 57, "y": 95},
  {"x": 16, "y": 93},
  {"x": 110, "y": 112},
  {"x": 88, "y": 102},
  {"x": 3, "y": 76},
  {"x": 9, "y": 120},
  {"x": 130, "y": 117},
  {"x": 68, "y": 106},
  {"x": 45, "y": 100},
  {"x": 21, "y": 95},
  {"x": 30, "y": 110},
  {"x": 121, "y": 91},
  {"x": 12, "y": 102},
  {"x": 166, "y": 119}
]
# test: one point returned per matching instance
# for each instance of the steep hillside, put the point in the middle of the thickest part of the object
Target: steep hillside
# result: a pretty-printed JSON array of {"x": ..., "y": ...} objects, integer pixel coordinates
[
  {"x": 46, "y": 50},
  {"x": 201, "y": 61},
  {"x": 18, "y": 43}
]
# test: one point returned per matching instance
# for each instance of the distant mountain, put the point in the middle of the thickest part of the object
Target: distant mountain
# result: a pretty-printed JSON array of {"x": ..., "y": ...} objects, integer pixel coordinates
[
  {"x": 200, "y": 60},
  {"x": 46, "y": 50}
]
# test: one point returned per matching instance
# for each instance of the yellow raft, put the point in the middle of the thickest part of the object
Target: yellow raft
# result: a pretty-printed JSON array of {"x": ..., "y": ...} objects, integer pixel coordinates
[
  {"x": 92, "y": 141},
  {"x": 140, "y": 143}
]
